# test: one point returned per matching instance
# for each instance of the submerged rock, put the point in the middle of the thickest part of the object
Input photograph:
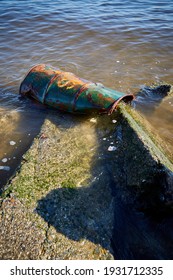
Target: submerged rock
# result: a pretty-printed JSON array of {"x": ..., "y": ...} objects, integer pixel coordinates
[{"x": 150, "y": 97}]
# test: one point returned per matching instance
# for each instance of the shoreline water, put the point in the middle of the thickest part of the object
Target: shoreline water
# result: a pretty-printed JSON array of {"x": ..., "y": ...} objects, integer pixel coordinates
[
  {"x": 123, "y": 45},
  {"x": 84, "y": 201}
]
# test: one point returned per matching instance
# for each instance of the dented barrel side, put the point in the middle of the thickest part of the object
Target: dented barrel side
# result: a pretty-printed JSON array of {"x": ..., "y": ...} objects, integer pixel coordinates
[{"x": 67, "y": 92}]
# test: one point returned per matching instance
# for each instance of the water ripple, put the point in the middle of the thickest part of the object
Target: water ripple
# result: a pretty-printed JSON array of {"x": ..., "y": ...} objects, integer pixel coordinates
[{"x": 122, "y": 44}]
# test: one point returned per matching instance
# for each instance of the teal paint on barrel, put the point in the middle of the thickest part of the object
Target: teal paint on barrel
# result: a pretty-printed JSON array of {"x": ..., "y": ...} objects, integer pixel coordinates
[{"x": 67, "y": 92}]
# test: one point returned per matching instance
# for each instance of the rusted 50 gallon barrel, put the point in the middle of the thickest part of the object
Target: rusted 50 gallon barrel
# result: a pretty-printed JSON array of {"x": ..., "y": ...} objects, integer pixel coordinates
[{"x": 67, "y": 92}]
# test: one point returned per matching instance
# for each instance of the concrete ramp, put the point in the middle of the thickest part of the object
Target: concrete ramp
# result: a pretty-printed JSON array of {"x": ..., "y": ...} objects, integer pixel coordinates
[{"x": 96, "y": 187}]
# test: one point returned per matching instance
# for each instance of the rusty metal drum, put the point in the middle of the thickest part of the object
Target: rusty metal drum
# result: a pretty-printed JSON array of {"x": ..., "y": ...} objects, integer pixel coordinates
[{"x": 67, "y": 92}]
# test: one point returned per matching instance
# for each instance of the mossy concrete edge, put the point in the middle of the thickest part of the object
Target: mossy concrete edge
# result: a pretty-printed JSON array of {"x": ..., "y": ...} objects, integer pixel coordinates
[{"x": 147, "y": 134}]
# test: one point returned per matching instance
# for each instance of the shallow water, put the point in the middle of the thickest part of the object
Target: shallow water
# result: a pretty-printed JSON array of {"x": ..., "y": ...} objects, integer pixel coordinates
[{"x": 122, "y": 44}]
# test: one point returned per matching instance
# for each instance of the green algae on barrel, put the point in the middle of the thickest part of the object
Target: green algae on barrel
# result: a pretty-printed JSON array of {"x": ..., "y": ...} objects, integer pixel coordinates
[{"x": 67, "y": 92}]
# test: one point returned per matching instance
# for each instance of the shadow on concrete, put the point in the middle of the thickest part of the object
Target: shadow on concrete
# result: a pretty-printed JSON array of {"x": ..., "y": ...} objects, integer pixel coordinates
[
  {"x": 107, "y": 211},
  {"x": 103, "y": 211}
]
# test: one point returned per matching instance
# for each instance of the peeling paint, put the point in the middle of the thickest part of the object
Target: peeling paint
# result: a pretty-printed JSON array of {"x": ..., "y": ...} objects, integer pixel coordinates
[{"x": 67, "y": 92}]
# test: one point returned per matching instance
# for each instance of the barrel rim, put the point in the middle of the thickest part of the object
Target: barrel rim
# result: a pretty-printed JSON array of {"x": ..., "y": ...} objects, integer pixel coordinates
[
  {"x": 113, "y": 106},
  {"x": 29, "y": 73}
]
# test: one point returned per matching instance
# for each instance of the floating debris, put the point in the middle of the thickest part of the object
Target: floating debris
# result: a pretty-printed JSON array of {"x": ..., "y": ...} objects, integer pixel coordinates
[
  {"x": 4, "y": 160},
  {"x": 6, "y": 168},
  {"x": 93, "y": 120},
  {"x": 111, "y": 148},
  {"x": 12, "y": 143},
  {"x": 67, "y": 92},
  {"x": 114, "y": 121}
]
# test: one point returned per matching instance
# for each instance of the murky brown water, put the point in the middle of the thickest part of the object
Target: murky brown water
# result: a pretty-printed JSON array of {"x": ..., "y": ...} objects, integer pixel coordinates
[{"x": 122, "y": 44}]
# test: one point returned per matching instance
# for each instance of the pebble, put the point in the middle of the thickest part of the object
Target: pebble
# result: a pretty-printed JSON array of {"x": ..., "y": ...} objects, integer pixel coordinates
[
  {"x": 4, "y": 160},
  {"x": 6, "y": 168},
  {"x": 93, "y": 120},
  {"x": 12, "y": 143},
  {"x": 111, "y": 148}
]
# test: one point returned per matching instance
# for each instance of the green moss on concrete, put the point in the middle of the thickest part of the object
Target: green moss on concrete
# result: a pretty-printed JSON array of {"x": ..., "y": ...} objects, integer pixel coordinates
[
  {"x": 147, "y": 135},
  {"x": 57, "y": 158},
  {"x": 53, "y": 189},
  {"x": 58, "y": 195}
]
